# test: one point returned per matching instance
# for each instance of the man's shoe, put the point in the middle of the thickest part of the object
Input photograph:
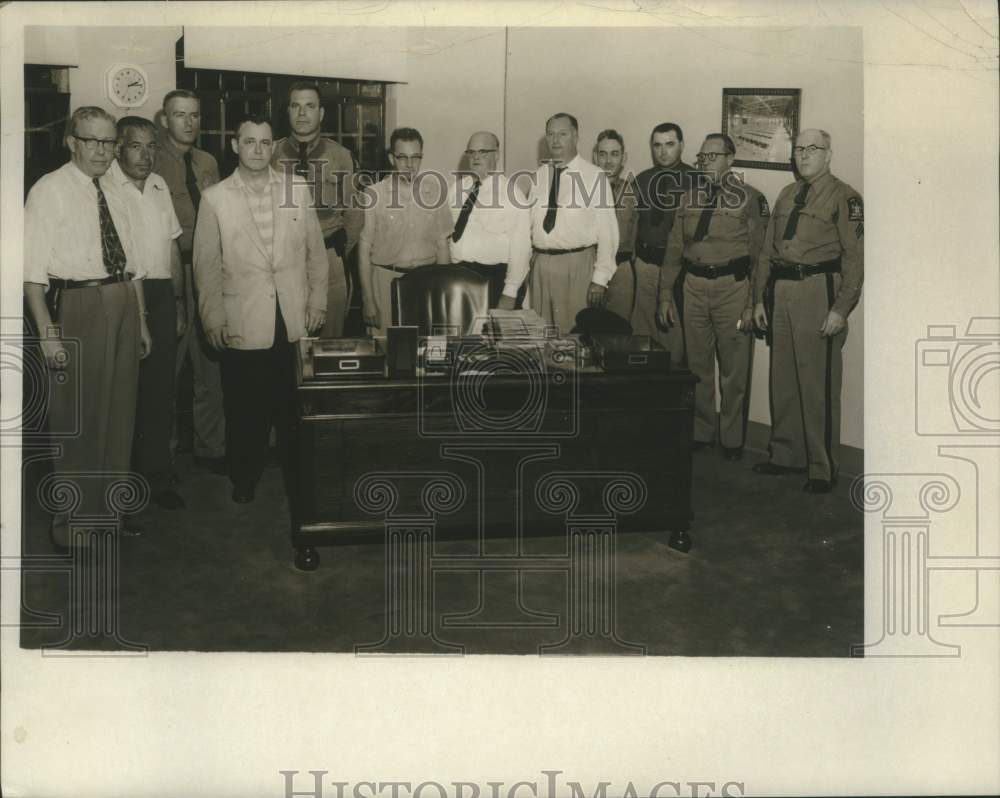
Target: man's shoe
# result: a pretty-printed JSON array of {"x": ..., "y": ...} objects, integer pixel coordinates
[
  {"x": 700, "y": 446},
  {"x": 818, "y": 486},
  {"x": 168, "y": 499},
  {"x": 733, "y": 453},
  {"x": 243, "y": 495},
  {"x": 774, "y": 470},
  {"x": 217, "y": 465},
  {"x": 127, "y": 528}
]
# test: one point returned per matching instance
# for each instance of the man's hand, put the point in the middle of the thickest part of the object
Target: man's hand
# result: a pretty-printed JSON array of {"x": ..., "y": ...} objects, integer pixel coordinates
[
  {"x": 832, "y": 325},
  {"x": 596, "y": 295},
  {"x": 760, "y": 316},
  {"x": 182, "y": 320},
  {"x": 371, "y": 315},
  {"x": 218, "y": 338},
  {"x": 315, "y": 319},
  {"x": 56, "y": 356},
  {"x": 666, "y": 313},
  {"x": 506, "y": 302},
  {"x": 746, "y": 321},
  {"x": 145, "y": 339}
]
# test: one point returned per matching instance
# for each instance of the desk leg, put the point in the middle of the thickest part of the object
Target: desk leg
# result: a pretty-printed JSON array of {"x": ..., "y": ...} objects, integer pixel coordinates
[
  {"x": 306, "y": 558},
  {"x": 680, "y": 540}
]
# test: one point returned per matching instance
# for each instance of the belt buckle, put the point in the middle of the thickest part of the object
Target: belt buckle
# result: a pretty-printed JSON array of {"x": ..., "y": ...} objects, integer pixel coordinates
[{"x": 800, "y": 269}]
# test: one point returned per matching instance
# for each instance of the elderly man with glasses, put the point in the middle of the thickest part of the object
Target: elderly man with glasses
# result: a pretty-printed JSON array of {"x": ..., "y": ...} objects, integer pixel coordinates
[
  {"x": 492, "y": 225},
  {"x": 715, "y": 239},
  {"x": 83, "y": 292},
  {"x": 811, "y": 268}
]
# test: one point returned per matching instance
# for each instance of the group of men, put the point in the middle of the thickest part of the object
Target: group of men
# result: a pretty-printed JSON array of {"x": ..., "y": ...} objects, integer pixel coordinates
[{"x": 135, "y": 250}]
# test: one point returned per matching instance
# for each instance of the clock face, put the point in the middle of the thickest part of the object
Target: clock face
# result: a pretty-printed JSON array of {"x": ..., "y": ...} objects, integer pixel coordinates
[{"x": 128, "y": 87}]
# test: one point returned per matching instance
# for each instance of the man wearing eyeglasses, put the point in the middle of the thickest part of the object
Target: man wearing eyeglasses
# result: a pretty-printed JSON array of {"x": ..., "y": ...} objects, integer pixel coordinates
[
  {"x": 716, "y": 239},
  {"x": 83, "y": 291},
  {"x": 492, "y": 226},
  {"x": 188, "y": 172},
  {"x": 156, "y": 232},
  {"x": 810, "y": 269},
  {"x": 610, "y": 155},
  {"x": 328, "y": 168},
  {"x": 407, "y": 224}
]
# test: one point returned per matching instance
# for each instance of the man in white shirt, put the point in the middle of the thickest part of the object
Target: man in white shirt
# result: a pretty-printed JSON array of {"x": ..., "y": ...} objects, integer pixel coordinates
[
  {"x": 574, "y": 230},
  {"x": 82, "y": 285},
  {"x": 155, "y": 232},
  {"x": 492, "y": 233}
]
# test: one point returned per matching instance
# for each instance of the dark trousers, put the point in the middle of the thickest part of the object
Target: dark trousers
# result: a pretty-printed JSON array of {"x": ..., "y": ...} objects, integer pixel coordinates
[
  {"x": 259, "y": 388},
  {"x": 154, "y": 412}
]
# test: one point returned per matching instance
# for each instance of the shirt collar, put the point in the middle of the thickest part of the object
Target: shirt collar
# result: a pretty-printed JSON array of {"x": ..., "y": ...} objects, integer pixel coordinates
[
  {"x": 817, "y": 182},
  {"x": 293, "y": 144},
  {"x": 272, "y": 177},
  {"x": 79, "y": 174}
]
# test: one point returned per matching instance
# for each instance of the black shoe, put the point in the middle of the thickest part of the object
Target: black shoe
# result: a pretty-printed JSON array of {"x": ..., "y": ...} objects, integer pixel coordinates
[
  {"x": 127, "y": 528},
  {"x": 217, "y": 465},
  {"x": 168, "y": 499},
  {"x": 700, "y": 446},
  {"x": 773, "y": 469},
  {"x": 818, "y": 486},
  {"x": 733, "y": 453},
  {"x": 243, "y": 495}
]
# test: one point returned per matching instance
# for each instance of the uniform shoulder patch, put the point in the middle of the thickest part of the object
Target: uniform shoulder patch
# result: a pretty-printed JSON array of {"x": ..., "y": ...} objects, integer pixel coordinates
[
  {"x": 855, "y": 209},
  {"x": 765, "y": 209}
]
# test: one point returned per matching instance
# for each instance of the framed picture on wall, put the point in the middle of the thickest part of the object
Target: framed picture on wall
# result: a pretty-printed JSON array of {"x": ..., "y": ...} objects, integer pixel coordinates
[{"x": 763, "y": 123}]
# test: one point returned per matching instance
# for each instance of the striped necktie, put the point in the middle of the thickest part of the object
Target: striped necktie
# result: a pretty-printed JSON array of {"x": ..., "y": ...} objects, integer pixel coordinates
[{"x": 112, "y": 250}]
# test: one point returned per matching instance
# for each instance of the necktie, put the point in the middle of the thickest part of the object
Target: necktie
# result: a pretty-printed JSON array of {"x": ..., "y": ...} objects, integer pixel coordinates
[
  {"x": 706, "y": 215},
  {"x": 302, "y": 167},
  {"x": 112, "y": 250},
  {"x": 190, "y": 182},
  {"x": 793, "y": 217},
  {"x": 550, "y": 215},
  {"x": 657, "y": 200},
  {"x": 463, "y": 215}
]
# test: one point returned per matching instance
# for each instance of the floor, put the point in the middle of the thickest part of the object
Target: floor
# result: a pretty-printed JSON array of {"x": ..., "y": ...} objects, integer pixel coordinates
[{"x": 773, "y": 572}]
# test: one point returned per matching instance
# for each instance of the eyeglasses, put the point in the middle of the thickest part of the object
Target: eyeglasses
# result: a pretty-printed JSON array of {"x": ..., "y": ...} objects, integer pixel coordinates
[
  {"x": 478, "y": 153},
  {"x": 810, "y": 150},
  {"x": 710, "y": 156},
  {"x": 91, "y": 145}
]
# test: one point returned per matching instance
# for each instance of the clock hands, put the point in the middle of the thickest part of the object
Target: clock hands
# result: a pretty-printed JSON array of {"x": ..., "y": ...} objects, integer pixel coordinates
[{"x": 137, "y": 83}]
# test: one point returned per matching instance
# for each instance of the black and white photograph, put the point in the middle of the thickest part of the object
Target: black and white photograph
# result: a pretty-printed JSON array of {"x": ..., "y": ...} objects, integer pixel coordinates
[{"x": 424, "y": 365}]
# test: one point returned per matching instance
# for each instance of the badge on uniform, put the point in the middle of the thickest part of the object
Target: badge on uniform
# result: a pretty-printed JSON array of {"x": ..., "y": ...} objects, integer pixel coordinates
[
  {"x": 855, "y": 210},
  {"x": 765, "y": 210}
]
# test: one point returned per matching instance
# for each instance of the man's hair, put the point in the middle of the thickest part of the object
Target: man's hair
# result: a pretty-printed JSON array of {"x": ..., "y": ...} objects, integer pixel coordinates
[
  {"x": 827, "y": 141},
  {"x": 561, "y": 115},
  {"x": 186, "y": 94},
  {"x": 252, "y": 119},
  {"x": 668, "y": 127},
  {"x": 127, "y": 123},
  {"x": 305, "y": 85},
  {"x": 405, "y": 134},
  {"x": 612, "y": 134},
  {"x": 82, "y": 113},
  {"x": 728, "y": 142}
]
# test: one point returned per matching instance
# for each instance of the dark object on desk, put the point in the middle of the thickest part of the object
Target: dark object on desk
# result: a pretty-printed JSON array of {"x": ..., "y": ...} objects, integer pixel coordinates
[
  {"x": 401, "y": 351},
  {"x": 630, "y": 353},
  {"x": 440, "y": 299},
  {"x": 340, "y": 357},
  {"x": 600, "y": 321}
]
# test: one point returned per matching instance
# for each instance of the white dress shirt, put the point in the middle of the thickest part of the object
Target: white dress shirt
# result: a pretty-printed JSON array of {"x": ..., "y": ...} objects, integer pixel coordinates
[
  {"x": 498, "y": 229},
  {"x": 62, "y": 230},
  {"x": 154, "y": 222},
  {"x": 586, "y": 214}
]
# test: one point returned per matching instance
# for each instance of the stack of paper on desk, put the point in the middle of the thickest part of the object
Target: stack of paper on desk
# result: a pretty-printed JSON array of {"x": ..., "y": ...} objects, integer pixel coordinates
[{"x": 517, "y": 324}]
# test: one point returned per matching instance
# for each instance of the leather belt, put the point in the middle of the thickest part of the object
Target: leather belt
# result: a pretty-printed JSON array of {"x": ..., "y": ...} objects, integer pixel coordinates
[
  {"x": 623, "y": 257},
  {"x": 737, "y": 267},
  {"x": 649, "y": 253},
  {"x": 395, "y": 268},
  {"x": 563, "y": 251},
  {"x": 55, "y": 282},
  {"x": 783, "y": 270}
]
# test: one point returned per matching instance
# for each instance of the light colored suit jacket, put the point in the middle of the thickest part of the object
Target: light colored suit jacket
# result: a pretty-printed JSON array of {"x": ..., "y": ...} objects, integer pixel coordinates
[{"x": 236, "y": 278}]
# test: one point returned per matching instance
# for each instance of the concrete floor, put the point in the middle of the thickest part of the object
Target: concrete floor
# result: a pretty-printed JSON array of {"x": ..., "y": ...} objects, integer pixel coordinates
[{"x": 773, "y": 572}]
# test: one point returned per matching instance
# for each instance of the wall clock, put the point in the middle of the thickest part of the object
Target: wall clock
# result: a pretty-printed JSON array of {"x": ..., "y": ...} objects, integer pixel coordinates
[{"x": 127, "y": 85}]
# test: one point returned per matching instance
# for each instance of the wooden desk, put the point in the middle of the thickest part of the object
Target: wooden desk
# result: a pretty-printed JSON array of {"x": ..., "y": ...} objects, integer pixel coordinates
[{"x": 497, "y": 453}]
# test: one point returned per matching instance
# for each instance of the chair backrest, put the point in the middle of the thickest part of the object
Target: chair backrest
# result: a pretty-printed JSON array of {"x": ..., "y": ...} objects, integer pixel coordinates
[
  {"x": 441, "y": 299},
  {"x": 600, "y": 321}
]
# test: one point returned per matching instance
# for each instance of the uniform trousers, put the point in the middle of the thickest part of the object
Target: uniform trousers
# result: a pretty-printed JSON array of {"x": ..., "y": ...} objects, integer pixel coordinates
[
  {"x": 559, "y": 285},
  {"x": 711, "y": 310},
  {"x": 94, "y": 397},
  {"x": 259, "y": 388},
  {"x": 647, "y": 300},
  {"x": 338, "y": 297},
  {"x": 209, "y": 414},
  {"x": 806, "y": 375},
  {"x": 621, "y": 291},
  {"x": 154, "y": 412}
]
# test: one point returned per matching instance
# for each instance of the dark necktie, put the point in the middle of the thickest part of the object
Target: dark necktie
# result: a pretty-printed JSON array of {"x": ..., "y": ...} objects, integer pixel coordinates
[
  {"x": 793, "y": 217},
  {"x": 190, "y": 182},
  {"x": 302, "y": 167},
  {"x": 112, "y": 250},
  {"x": 706, "y": 215},
  {"x": 550, "y": 215},
  {"x": 465, "y": 213}
]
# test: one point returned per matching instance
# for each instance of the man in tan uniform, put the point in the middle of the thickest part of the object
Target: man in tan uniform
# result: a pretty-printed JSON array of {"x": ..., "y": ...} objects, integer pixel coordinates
[
  {"x": 812, "y": 263},
  {"x": 716, "y": 237}
]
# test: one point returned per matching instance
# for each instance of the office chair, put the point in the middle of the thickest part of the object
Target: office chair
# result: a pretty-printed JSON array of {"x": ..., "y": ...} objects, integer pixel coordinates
[
  {"x": 600, "y": 321},
  {"x": 441, "y": 299}
]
